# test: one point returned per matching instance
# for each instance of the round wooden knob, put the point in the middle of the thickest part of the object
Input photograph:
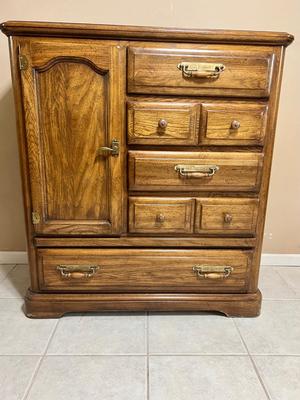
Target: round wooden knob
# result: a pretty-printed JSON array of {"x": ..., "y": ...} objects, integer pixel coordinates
[
  {"x": 162, "y": 123},
  {"x": 227, "y": 218},
  {"x": 235, "y": 124},
  {"x": 160, "y": 218}
]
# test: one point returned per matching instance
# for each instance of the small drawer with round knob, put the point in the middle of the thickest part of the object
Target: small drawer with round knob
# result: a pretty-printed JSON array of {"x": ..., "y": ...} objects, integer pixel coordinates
[
  {"x": 226, "y": 216},
  {"x": 161, "y": 215},
  {"x": 162, "y": 122},
  {"x": 233, "y": 123}
]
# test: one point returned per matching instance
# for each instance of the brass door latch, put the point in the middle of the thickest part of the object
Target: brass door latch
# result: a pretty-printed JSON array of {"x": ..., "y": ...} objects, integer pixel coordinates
[{"x": 114, "y": 150}]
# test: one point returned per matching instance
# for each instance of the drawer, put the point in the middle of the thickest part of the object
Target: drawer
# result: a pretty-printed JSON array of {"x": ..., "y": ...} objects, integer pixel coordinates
[
  {"x": 194, "y": 171},
  {"x": 161, "y": 215},
  {"x": 162, "y": 123},
  {"x": 211, "y": 70},
  {"x": 233, "y": 123},
  {"x": 226, "y": 216},
  {"x": 138, "y": 270}
]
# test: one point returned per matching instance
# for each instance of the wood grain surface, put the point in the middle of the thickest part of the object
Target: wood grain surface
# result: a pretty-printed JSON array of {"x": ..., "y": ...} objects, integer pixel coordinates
[
  {"x": 153, "y": 70},
  {"x": 130, "y": 270},
  {"x": 181, "y": 119},
  {"x": 154, "y": 170},
  {"x": 63, "y": 29},
  {"x": 134, "y": 215},
  {"x": 217, "y": 123},
  {"x": 70, "y": 101},
  {"x": 161, "y": 215}
]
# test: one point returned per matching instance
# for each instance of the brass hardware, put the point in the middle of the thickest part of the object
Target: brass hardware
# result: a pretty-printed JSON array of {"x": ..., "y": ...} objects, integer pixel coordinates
[
  {"x": 212, "y": 271},
  {"x": 235, "y": 124},
  {"x": 23, "y": 62},
  {"x": 160, "y": 218},
  {"x": 113, "y": 150},
  {"x": 77, "y": 271},
  {"x": 162, "y": 123},
  {"x": 200, "y": 70},
  {"x": 196, "y": 171},
  {"x": 35, "y": 216},
  {"x": 227, "y": 218}
]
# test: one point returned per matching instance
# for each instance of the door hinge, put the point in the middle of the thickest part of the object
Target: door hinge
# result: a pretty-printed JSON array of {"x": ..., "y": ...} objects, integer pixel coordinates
[
  {"x": 23, "y": 62},
  {"x": 35, "y": 217}
]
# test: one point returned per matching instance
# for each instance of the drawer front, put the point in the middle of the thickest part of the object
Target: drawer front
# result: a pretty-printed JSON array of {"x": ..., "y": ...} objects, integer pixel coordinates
[
  {"x": 161, "y": 215},
  {"x": 162, "y": 123},
  {"x": 135, "y": 270},
  {"x": 187, "y": 171},
  {"x": 233, "y": 124},
  {"x": 247, "y": 71},
  {"x": 226, "y": 216}
]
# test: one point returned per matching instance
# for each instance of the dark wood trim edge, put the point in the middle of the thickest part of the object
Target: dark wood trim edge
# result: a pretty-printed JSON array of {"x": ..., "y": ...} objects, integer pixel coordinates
[
  {"x": 60, "y": 29},
  {"x": 55, "y": 305}
]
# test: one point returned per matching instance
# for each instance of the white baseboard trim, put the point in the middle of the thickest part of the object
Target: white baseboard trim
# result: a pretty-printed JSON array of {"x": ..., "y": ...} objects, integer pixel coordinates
[
  {"x": 13, "y": 257},
  {"x": 289, "y": 260},
  {"x": 292, "y": 260}
]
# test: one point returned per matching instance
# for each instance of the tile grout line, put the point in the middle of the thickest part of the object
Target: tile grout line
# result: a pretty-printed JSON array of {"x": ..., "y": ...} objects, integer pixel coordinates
[
  {"x": 253, "y": 363},
  {"x": 5, "y": 276},
  {"x": 286, "y": 283},
  {"x": 27, "y": 391},
  {"x": 51, "y": 337},
  {"x": 30, "y": 383},
  {"x": 152, "y": 354},
  {"x": 198, "y": 354}
]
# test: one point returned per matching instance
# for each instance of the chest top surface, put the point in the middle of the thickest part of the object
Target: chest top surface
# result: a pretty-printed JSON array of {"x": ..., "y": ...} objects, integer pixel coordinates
[{"x": 128, "y": 32}]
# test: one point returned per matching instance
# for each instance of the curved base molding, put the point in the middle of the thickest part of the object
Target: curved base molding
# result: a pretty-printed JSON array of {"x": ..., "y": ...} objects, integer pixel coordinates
[{"x": 55, "y": 305}]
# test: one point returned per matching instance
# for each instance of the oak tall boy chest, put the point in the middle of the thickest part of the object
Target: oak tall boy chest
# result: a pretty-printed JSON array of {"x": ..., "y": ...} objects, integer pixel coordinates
[{"x": 145, "y": 158}]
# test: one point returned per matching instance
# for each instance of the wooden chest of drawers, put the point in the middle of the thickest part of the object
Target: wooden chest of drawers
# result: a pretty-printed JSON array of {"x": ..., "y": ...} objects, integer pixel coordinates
[{"x": 145, "y": 157}]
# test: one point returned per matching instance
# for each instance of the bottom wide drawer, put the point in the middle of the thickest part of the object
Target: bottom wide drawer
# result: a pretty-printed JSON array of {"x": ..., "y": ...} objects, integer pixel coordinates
[{"x": 148, "y": 270}]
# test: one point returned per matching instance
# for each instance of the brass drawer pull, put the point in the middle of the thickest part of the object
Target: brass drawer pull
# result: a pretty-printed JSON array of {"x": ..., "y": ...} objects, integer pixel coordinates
[
  {"x": 227, "y": 218},
  {"x": 200, "y": 70},
  {"x": 113, "y": 150},
  {"x": 235, "y": 124},
  {"x": 162, "y": 123},
  {"x": 196, "y": 171},
  {"x": 160, "y": 218},
  {"x": 77, "y": 271},
  {"x": 212, "y": 271}
]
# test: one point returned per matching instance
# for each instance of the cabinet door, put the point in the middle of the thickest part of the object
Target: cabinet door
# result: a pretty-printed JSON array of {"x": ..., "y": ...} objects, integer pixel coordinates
[{"x": 73, "y": 93}]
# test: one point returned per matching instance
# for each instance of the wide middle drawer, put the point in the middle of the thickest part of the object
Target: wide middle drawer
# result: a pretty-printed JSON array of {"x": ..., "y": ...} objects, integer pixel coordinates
[
  {"x": 136, "y": 270},
  {"x": 194, "y": 171}
]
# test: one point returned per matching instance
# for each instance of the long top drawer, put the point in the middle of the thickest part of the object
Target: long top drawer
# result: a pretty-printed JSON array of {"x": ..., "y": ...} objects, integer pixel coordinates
[{"x": 243, "y": 71}]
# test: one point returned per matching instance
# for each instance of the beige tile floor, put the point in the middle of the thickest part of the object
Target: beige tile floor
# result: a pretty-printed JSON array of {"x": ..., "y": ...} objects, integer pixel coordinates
[{"x": 160, "y": 356}]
